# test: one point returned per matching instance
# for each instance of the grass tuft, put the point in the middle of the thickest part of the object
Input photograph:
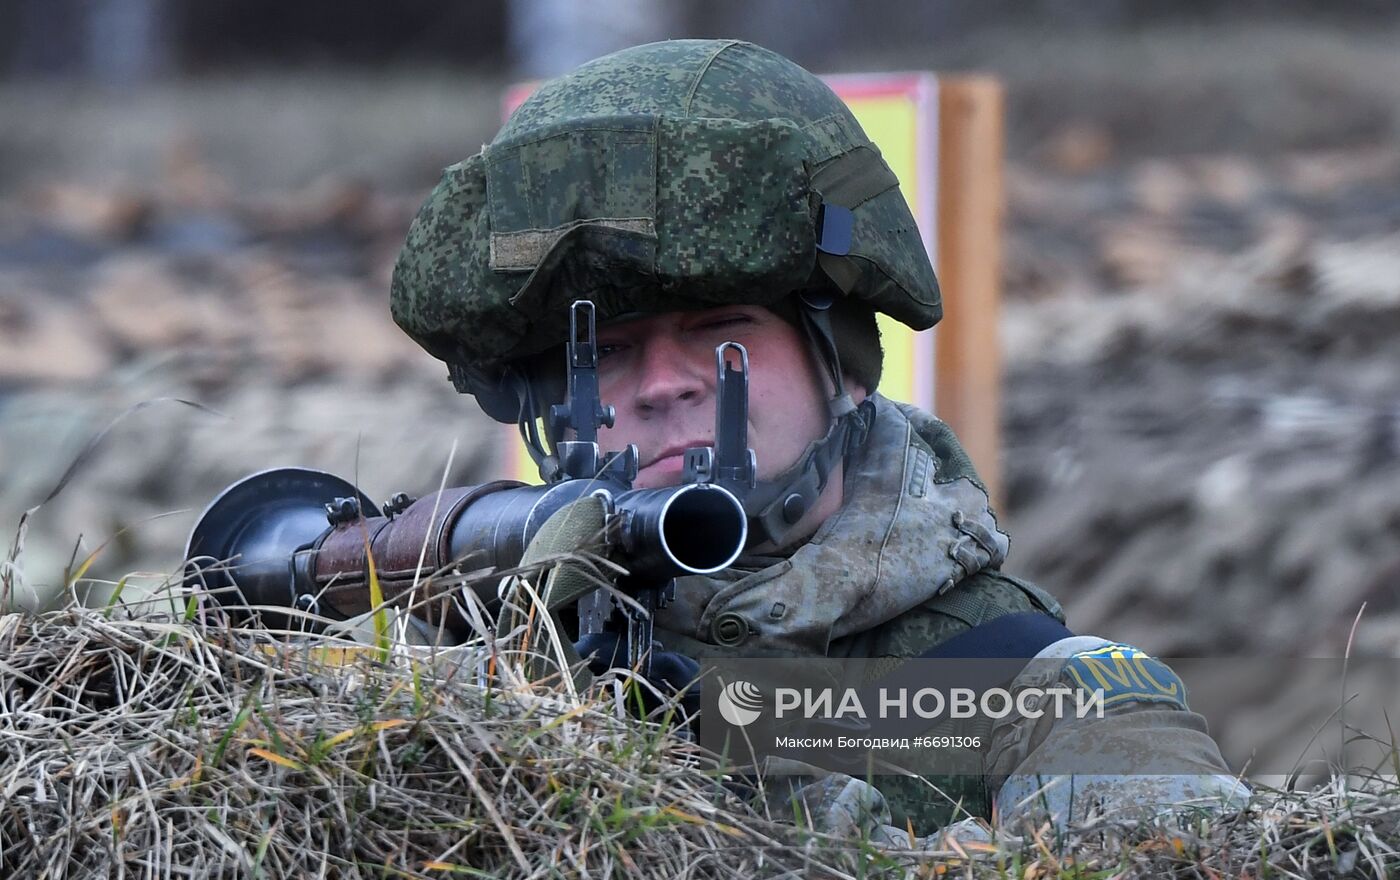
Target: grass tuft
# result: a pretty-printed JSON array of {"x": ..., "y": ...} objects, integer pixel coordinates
[{"x": 134, "y": 740}]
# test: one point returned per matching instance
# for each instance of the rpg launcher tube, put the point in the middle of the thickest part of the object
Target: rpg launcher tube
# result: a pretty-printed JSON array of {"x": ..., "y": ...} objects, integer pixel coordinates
[{"x": 254, "y": 546}]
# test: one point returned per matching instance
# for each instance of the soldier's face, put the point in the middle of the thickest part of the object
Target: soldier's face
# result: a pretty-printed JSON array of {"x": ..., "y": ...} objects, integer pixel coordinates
[{"x": 659, "y": 373}]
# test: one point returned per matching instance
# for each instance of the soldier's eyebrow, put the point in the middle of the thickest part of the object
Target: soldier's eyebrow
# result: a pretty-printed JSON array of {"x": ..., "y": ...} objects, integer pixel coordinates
[
  {"x": 719, "y": 318},
  {"x": 721, "y": 313}
]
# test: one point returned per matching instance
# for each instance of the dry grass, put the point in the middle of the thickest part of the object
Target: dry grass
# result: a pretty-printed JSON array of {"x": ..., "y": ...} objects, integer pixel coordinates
[
  {"x": 155, "y": 747},
  {"x": 1346, "y": 828},
  {"x": 135, "y": 742}
]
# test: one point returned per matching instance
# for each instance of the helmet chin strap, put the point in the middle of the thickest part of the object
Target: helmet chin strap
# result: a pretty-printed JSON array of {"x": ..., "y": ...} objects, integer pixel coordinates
[{"x": 775, "y": 506}]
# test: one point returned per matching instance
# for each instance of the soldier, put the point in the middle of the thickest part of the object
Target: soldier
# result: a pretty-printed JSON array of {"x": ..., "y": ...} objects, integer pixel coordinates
[{"x": 705, "y": 191}]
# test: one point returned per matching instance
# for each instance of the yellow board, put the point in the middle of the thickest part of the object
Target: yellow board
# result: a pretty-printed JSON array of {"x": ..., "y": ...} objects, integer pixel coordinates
[
  {"x": 899, "y": 112},
  {"x": 890, "y": 122}
]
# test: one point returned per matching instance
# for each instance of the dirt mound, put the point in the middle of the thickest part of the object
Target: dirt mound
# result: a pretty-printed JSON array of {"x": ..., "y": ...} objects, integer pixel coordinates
[
  {"x": 269, "y": 310},
  {"x": 1203, "y": 430}
]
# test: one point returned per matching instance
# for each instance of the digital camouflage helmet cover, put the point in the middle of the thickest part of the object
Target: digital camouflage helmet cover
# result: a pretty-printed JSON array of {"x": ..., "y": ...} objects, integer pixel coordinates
[{"x": 680, "y": 175}]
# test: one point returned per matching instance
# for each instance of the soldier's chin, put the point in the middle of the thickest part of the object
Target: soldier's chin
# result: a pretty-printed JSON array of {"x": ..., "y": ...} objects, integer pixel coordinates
[{"x": 661, "y": 473}]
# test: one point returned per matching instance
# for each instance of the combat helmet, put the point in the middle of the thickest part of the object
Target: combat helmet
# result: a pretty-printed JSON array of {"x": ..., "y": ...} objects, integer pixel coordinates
[{"x": 680, "y": 175}]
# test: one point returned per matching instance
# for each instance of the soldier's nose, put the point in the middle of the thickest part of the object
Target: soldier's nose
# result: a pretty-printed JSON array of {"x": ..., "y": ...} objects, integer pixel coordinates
[{"x": 666, "y": 377}]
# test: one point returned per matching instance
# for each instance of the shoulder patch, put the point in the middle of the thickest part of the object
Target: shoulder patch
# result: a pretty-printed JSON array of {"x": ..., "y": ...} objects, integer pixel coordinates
[{"x": 1126, "y": 675}]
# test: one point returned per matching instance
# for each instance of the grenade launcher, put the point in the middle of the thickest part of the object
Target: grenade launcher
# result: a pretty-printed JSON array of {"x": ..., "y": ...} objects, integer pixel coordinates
[{"x": 296, "y": 538}]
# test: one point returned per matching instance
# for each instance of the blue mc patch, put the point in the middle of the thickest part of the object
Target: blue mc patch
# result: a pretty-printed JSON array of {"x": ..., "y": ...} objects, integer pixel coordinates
[{"x": 1125, "y": 675}]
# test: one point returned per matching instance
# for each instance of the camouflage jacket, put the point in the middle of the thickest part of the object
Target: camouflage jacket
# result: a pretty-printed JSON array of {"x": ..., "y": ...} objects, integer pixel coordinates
[{"x": 910, "y": 560}]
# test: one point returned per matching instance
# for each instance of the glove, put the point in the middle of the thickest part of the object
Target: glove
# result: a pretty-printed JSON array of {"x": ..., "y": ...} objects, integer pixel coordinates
[
  {"x": 579, "y": 526},
  {"x": 576, "y": 526},
  {"x": 671, "y": 673},
  {"x": 843, "y": 806}
]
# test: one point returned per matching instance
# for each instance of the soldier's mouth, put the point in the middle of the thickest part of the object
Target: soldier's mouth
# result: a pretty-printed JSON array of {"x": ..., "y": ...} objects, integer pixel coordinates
[{"x": 675, "y": 450}]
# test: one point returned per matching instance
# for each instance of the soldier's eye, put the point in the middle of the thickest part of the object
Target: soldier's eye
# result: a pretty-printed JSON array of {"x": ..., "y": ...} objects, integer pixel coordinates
[{"x": 606, "y": 349}]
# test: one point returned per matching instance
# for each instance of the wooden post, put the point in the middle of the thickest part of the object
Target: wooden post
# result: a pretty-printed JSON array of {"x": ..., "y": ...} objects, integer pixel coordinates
[{"x": 971, "y": 203}]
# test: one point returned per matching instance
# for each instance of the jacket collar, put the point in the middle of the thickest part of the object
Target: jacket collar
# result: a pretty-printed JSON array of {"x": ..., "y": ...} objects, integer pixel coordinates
[{"x": 912, "y": 524}]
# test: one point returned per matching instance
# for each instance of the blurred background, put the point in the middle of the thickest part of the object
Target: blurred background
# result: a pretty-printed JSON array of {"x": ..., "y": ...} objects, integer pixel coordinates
[{"x": 1202, "y": 274}]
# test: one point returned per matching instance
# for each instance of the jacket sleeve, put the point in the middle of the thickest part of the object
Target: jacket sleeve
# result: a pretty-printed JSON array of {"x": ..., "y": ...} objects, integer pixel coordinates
[
  {"x": 1144, "y": 753},
  {"x": 985, "y": 596}
]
